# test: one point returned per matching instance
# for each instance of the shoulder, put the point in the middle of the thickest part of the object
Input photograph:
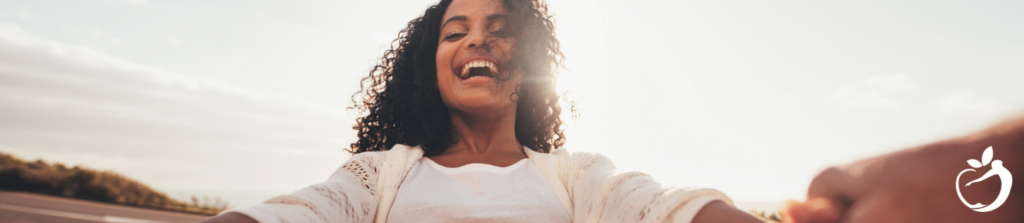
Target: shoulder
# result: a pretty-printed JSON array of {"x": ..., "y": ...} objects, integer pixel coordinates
[
  {"x": 582, "y": 161},
  {"x": 575, "y": 166},
  {"x": 365, "y": 164},
  {"x": 591, "y": 160}
]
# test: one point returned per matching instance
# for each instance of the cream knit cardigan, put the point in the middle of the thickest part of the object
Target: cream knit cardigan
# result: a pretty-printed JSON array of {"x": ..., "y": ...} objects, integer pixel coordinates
[{"x": 363, "y": 188}]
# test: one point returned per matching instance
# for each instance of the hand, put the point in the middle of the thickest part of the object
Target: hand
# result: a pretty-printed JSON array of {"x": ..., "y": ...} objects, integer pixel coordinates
[
  {"x": 819, "y": 209},
  {"x": 916, "y": 184}
]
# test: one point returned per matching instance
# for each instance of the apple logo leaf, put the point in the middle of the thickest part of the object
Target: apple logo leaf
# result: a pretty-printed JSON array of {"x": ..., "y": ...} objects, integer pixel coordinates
[
  {"x": 986, "y": 157},
  {"x": 974, "y": 163}
]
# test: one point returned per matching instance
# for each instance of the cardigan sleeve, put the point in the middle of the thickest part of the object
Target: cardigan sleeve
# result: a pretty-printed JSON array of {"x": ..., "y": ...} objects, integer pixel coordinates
[
  {"x": 348, "y": 195},
  {"x": 600, "y": 195}
]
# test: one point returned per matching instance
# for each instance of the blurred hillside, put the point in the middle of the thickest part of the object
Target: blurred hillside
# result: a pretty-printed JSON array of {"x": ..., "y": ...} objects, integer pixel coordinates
[{"x": 96, "y": 185}]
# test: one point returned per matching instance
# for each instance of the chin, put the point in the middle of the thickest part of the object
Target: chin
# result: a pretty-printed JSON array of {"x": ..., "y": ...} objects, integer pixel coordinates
[{"x": 482, "y": 102}]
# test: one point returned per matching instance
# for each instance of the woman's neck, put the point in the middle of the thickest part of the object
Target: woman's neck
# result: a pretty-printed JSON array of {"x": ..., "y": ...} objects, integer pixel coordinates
[
  {"x": 488, "y": 139},
  {"x": 484, "y": 134}
]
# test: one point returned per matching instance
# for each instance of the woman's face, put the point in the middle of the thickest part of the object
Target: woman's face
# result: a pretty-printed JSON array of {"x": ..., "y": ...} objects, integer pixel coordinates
[{"x": 472, "y": 58}]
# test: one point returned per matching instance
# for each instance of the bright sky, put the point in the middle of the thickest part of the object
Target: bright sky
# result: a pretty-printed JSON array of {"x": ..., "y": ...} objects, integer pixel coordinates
[{"x": 245, "y": 99}]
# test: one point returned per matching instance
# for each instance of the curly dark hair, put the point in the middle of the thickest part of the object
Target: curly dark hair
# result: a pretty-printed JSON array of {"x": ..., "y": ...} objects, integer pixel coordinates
[{"x": 399, "y": 101}]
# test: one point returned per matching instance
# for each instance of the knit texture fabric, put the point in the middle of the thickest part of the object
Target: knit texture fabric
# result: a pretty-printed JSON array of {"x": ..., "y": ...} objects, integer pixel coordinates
[{"x": 363, "y": 189}]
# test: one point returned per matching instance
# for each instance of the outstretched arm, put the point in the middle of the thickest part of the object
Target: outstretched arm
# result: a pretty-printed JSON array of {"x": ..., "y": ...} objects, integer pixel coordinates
[
  {"x": 349, "y": 195},
  {"x": 916, "y": 184},
  {"x": 600, "y": 195}
]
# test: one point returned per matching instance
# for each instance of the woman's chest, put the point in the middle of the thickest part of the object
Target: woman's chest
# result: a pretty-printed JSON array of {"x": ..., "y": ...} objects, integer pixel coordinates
[{"x": 476, "y": 193}]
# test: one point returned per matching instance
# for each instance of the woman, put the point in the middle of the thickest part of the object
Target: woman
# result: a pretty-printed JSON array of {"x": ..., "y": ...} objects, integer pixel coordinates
[{"x": 462, "y": 124}]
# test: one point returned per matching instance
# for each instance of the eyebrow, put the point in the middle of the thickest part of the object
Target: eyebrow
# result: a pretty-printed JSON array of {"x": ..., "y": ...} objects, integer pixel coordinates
[
  {"x": 491, "y": 17},
  {"x": 454, "y": 18}
]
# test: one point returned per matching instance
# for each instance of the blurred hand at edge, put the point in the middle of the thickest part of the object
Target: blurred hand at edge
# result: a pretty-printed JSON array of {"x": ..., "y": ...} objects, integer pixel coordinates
[{"x": 916, "y": 184}]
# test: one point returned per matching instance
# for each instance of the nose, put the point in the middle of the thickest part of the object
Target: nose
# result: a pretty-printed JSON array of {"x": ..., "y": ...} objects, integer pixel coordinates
[{"x": 477, "y": 41}]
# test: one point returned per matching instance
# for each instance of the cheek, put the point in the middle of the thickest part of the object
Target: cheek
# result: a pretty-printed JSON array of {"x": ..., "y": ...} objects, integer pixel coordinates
[
  {"x": 507, "y": 47},
  {"x": 443, "y": 61},
  {"x": 443, "y": 64}
]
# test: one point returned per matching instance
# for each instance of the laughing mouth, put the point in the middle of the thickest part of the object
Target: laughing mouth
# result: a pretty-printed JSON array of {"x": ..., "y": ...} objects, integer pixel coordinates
[{"x": 478, "y": 68}]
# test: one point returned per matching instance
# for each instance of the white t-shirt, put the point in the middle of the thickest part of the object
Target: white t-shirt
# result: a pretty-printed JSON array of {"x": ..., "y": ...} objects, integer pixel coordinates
[{"x": 476, "y": 193}]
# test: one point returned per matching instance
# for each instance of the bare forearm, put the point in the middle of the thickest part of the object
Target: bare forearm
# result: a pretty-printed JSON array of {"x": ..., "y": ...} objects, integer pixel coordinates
[
  {"x": 1007, "y": 138},
  {"x": 918, "y": 176}
]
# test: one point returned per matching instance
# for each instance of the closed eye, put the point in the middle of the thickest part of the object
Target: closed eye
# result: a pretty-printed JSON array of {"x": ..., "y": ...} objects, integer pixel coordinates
[
  {"x": 500, "y": 32},
  {"x": 452, "y": 36}
]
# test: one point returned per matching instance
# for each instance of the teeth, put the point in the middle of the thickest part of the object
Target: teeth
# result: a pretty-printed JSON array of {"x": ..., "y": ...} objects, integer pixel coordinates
[
  {"x": 494, "y": 69},
  {"x": 480, "y": 63}
]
